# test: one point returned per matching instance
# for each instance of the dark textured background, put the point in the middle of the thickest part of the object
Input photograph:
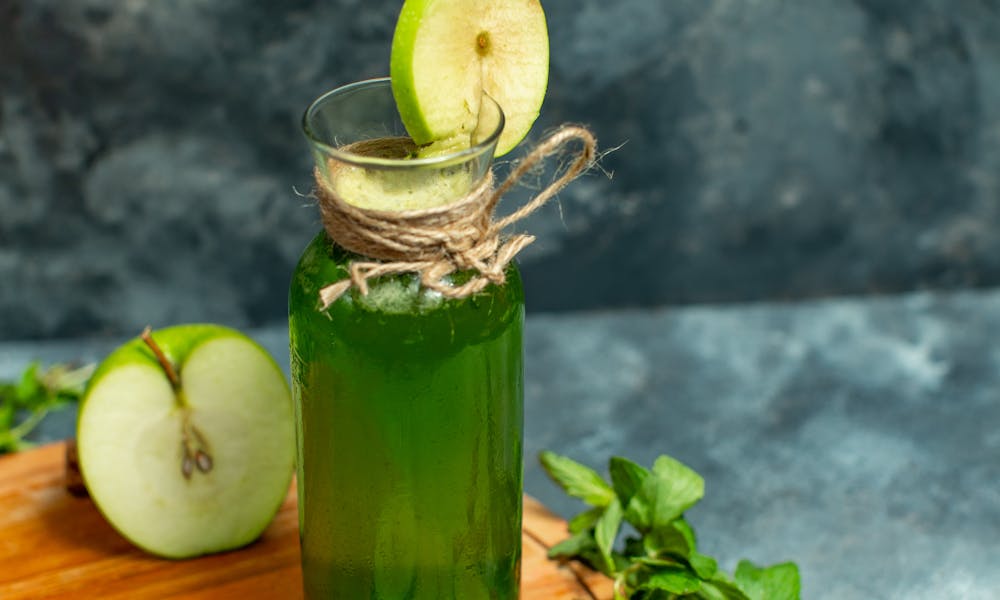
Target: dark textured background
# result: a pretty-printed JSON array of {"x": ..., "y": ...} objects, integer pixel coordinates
[{"x": 775, "y": 149}]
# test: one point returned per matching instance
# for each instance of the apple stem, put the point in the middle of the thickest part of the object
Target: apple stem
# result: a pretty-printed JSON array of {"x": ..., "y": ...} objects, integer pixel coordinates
[
  {"x": 196, "y": 454},
  {"x": 168, "y": 368}
]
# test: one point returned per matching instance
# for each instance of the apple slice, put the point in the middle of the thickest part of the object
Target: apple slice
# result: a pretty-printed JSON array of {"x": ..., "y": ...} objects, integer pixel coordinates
[
  {"x": 447, "y": 53},
  {"x": 186, "y": 442}
]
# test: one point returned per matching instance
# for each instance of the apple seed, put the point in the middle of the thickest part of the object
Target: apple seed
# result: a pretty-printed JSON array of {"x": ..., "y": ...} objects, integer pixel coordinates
[
  {"x": 187, "y": 465},
  {"x": 204, "y": 461}
]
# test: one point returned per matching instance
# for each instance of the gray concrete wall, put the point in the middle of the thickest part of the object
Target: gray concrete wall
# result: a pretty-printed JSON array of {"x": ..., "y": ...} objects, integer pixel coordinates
[{"x": 774, "y": 149}]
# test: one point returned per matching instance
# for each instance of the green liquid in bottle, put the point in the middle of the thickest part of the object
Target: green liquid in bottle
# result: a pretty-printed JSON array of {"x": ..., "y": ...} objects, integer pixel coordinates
[{"x": 409, "y": 414}]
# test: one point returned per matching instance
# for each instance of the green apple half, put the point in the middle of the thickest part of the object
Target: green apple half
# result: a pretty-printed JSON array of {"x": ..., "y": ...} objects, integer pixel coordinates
[
  {"x": 186, "y": 441},
  {"x": 447, "y": 53}
]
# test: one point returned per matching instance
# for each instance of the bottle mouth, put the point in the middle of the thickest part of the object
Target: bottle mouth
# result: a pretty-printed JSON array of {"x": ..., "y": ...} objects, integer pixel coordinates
[{"x": 350, "y": 99}]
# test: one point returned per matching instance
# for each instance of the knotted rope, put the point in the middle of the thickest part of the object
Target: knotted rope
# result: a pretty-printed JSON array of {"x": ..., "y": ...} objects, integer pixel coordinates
[{"x": 438, "y": 241}]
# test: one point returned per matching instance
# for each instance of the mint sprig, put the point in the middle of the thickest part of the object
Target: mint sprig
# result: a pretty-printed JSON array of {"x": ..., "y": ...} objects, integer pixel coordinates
[
  {"x": 662, "y": 562},
  {"x": 26, "y": 401}
]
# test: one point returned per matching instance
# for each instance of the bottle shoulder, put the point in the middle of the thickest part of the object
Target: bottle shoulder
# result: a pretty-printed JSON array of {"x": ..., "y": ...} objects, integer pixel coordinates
[{"x": 397, "y": 305}]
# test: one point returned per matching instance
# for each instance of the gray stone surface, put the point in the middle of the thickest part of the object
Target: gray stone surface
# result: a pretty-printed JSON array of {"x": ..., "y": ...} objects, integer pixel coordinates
[
  {"x": 778, "y": 149},
  {"x": 860, "y": 438}
]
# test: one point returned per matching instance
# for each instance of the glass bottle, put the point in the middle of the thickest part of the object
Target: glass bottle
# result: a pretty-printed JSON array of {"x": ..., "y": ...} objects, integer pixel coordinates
[{"x": 409, "y": 405}]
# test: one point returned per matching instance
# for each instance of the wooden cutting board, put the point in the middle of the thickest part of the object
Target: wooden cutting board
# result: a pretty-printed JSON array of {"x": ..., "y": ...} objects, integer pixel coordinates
[{"x": 53, "y": 545}]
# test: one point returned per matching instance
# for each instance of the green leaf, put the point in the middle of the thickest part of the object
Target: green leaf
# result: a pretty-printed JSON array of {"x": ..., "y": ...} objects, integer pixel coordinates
[
  {"x": 638, "y": 511},
  {"x": 777, "y": 582},
  {"x": 626, "y": 478},
  {"x": 573, "y": 546},
  {"x": 685, "y": 529},
  {"x": 607, "y": 530},
  {"x": 677, "y": 489},
  {"x": 676, "y": 540},
  {"x": 642, "y": 507},
  {"x": 580, "y": 547},
  {"x": 585, "y": 520},
  {"x": 662, "y": 563},
  {"x": 721, "y": 590},
  {"x": 6, "y": 414},
  {"x": 704, "y": 566},
  {"x": 36, "y": 393},
  {"x": 29, "y": 387},
  {"x": 657, "y": 562},
  {"x": 677, "y": 580},
  {"x": 622, "y": 562},
  {"x": 669, "y": 490},
  {"x": 578, "y": 480}
]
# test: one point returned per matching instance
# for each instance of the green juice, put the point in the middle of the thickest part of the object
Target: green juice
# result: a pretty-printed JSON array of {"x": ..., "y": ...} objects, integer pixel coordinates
[{"x": 409, "y": 414}]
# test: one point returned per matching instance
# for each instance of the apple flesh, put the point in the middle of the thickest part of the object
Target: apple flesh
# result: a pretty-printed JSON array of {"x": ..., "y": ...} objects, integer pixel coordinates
[
  {"x": 447, "y": 53},
  {"x": 194, "y": 463}
]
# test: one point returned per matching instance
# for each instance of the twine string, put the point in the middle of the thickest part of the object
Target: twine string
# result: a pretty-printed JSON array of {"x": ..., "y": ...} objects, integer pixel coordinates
[{"x": 435, "y": 242}]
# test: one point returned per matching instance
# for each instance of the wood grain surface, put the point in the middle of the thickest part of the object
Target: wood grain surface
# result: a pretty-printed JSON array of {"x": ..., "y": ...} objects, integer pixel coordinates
[{"x": 54, "y": 545}]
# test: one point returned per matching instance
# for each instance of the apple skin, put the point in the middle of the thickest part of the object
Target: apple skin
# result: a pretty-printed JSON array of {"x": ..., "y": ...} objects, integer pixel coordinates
[
  {"x": 438, "y": 74},
  {"x": 129, "y": 441},
  {"x": 176, "y": 342}
]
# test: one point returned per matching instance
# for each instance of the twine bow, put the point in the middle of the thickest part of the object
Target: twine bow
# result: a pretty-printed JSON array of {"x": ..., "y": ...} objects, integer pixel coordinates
[{"x": 438, "y": 241}]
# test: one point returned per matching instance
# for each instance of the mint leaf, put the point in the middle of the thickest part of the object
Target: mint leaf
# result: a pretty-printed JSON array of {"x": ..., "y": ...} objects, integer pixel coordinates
[
  {"x": 29, "y": 388},
  {"x": 585, "y": 520},
  {"x": 678, "y": 489},
  {"x": 662, "y": 563},
  {"x": 573, "y": 546},
  {"x": 626, "y": 478},
  {"x": 669, "y": 490},
  {"x": 581, "y": 547},
  {"x": 638, "y": 511},
  {"x": 682, "y": 526},
  {"x": 674, "y": 545},
  {"x": 606, "y": 531},
  {"x": 657, "y": 562},
  {"x": 32, "y": 396},
  {"x": 676, "y": 540},
  {"x": 578, "y": 480},
  {"x": 704, "y": 566},
  {"x": 6, "y": 411},
  {"x": 676, "y": 580},
  {"x": 777, "y": 582},
  {"x": 721, "y": 590}
]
